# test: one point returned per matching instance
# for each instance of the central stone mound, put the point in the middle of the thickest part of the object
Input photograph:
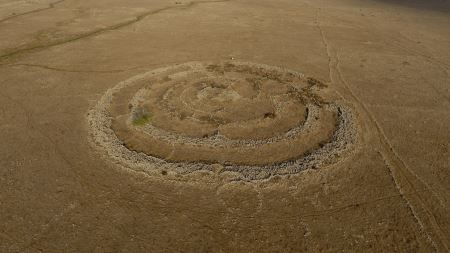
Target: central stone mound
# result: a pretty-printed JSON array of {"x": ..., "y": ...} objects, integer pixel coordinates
[{"x": 249, "y": 119}]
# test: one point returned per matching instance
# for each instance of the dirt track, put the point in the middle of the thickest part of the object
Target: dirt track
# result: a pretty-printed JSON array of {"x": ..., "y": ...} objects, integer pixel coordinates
[{"x": 388, "y": 192}]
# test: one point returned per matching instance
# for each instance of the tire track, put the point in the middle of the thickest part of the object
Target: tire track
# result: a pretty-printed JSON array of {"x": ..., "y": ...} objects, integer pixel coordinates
[
  {"x": 112, "y": 71},
  {"x": 138, "y": 18},
  {"x": 398, "y": 168},
  {"x": 50, "y": 6},
  {"x": 395, "y": 41}
]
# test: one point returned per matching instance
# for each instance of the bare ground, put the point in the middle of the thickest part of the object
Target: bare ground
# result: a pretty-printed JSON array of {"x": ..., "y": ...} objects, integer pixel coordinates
[{"x": 388, "y": 60}]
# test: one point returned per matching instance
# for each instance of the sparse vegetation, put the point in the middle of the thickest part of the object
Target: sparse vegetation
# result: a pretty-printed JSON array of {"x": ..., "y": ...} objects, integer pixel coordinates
[
  {"x": 142, "y": 120},
  {"x": 141, "y": 116}
]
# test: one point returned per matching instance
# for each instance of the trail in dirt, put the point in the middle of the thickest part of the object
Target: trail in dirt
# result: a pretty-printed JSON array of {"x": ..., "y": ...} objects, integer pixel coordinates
[
  {"x": 407, "y": 182},
  {"x": 50, "y": 6},
  {"x": 37, "y": 47}
]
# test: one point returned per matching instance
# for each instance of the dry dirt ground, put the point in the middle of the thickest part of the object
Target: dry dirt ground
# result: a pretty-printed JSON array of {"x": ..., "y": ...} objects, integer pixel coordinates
[{"x": 61, "y": 191}]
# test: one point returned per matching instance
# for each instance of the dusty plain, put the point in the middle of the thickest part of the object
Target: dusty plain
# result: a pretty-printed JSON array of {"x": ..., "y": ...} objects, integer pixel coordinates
[{"x": 387, "y": 60}]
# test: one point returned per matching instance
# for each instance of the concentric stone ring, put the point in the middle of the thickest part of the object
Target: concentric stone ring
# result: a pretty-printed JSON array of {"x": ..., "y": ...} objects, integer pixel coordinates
[{"x": 250, "y": 120}]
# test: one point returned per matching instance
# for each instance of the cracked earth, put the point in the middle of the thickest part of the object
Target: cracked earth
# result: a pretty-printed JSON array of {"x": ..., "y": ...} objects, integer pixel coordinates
[{"x": 224, "y": 126}]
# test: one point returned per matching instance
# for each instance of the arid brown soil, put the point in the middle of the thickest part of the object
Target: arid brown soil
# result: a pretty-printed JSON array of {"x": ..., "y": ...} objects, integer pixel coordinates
[{"x": 224, "y": 126}]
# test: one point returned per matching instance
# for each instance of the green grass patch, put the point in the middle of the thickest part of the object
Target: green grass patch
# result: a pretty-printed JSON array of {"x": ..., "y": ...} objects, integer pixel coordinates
[{"x": 144, "y": 119}]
